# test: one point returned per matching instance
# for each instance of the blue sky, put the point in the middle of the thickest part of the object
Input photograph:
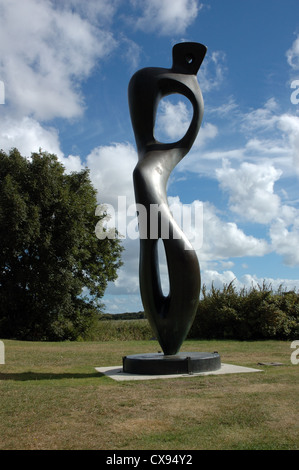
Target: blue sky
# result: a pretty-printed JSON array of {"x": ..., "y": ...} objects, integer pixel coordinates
[{"x": 66, "y": 66}]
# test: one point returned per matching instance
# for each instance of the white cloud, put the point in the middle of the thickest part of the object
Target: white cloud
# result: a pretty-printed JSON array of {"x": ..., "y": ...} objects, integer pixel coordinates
[
  {"x": 27, "y": 135},
  {"x": 167, "y": 17},
  {"x": 273, "y": 135},
  {"x": 72, "y": 163},
  {"x": 228, "y": 108},
  {"x": 269, "y": 138},
  {"x": 96, "y": 11},
  {"x": 173, "y": 120},
  {"x": 212, "y": 71},
  {"x": 266, "y": 147},
  {"x": 207, "y": 132},
  {"x": 45, "y": 52},
  {"x": 293, "y": 55},
  {"x": 261, "y": 119},
  {"x": 251, "y": 190},
  {"x": 252, "y": 196},
  {"x": 47, "y": 49},
  {"x": 127, "y": 281},
  {"x": 223, "y": 240},
  {"x": 218, "y": 279},
  {"x": 289, "y": 124},
  {"x": 249, "y": 280},
  {"x": 285, "y": 240},
  {"x": 111, "y": 171},
  {"x": 111, "y": 168},
  {"x": 130, "y": 52}
]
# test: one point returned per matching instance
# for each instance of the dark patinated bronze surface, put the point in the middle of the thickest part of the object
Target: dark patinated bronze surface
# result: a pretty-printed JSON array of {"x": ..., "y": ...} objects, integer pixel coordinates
[
  {"x": 181, "y": 363},
  {"x": 170, "y": 316}
]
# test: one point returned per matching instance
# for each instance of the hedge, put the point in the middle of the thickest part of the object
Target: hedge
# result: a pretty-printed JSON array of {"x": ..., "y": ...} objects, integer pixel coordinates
[{"x": 247, "y": 314}]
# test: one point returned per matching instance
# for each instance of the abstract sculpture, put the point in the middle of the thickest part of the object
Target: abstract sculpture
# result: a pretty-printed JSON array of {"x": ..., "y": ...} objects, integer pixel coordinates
[{"x": 169, "y": 316}]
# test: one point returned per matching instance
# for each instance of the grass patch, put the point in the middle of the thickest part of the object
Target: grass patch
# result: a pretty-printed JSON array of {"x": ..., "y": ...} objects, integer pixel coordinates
[{"x": 52, "y": 398}]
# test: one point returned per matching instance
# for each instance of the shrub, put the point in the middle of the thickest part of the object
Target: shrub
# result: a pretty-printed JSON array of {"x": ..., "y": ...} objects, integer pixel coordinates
[{"x": 255, "y": 313}]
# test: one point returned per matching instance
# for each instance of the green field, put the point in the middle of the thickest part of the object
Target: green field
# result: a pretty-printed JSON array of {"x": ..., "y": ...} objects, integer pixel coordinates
[{"x": 52, "y": 398}]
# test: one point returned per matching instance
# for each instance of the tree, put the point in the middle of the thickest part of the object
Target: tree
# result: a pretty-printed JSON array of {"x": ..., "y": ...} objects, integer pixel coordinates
[{"x": 53, "y": 269}]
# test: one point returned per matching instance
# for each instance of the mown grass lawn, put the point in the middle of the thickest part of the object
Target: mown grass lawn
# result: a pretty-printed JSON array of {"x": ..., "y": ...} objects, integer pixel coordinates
[{"x": 53, "y": 398}]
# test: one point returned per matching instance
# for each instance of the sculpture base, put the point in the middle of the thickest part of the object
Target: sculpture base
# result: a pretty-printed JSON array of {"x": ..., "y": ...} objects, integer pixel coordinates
[{"x": 181, "y": 363}]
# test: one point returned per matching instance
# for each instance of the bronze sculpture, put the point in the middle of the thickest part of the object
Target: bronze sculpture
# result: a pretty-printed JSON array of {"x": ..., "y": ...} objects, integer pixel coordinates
[{"x": 170, "y": 316}]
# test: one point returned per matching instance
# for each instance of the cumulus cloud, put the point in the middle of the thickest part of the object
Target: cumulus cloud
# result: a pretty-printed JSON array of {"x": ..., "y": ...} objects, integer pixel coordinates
[
  {"x": 45, "y": 52},
  {"x": 285, "y": 240},
  {"x": 276, "y": 135},
  {"x": 223, "y": 240},
  {"x": 270, "y": 139},
  {"x": 249, "y": 280},
  {"x": 127, "y": 281},
  {"x": 173, "y": 120},
  {"x": 289, "y": 124},
  {"x": 252, "y": 196},
  {"x": 217, "y": 279},
  {"x": 166, "y": 17},
  {"x": 27, "y": 135},
  {"x": 111, "y": 169},
  {"x": 251, "y": 190}
]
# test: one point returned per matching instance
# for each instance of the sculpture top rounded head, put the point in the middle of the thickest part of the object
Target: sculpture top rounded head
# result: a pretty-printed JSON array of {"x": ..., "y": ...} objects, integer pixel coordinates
[
  {"x": 187, "y": 57},
  {"x": 149, "y": 85}
]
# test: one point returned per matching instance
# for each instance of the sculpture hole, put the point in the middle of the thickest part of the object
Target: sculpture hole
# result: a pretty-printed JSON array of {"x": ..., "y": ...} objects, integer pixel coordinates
[
  {"x": 173, "y": 118},
  {"x": 189, "y": 59},
  {"x": 163, "y": 268}
]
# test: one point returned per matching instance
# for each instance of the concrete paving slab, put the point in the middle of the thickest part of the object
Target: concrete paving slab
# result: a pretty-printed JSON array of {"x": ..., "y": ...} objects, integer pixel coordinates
[{"x": 117, "y": 373}]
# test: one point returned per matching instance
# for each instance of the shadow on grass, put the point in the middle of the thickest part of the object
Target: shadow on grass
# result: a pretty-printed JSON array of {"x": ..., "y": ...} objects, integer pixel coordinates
[{"x": 24, "y": 376}]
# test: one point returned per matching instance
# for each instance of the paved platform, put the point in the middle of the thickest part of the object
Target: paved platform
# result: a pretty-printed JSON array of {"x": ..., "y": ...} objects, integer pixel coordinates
[{"x": 116, "y": 373}]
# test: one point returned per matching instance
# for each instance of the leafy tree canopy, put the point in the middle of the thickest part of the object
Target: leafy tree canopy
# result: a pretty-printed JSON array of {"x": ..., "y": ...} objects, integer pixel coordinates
[{"x": 53, "y": 269}]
